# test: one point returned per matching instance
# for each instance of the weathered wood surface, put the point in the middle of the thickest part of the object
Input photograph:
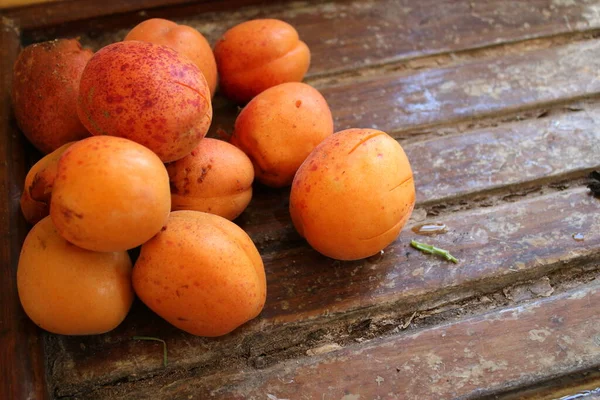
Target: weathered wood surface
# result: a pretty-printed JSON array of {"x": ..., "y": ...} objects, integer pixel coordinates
[
  {"x": 495, "y": 246},
  {"x": 397, "y": 102},
  {"x": 479, "y": 355},
  {"x": 346, "y": 35},
  {"x": 21, "y": 358},
  {"x": 376, "y": 63}
]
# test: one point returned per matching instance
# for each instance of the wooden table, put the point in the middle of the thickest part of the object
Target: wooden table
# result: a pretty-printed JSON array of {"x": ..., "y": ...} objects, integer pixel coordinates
[{"x": 496, "y": 104}]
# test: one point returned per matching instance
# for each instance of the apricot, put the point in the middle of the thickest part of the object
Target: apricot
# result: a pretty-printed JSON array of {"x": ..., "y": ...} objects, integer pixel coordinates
[
  {"x": 258, "y": 54},
  {"x": 353, "y": 194},
  {"x": 279, "y": 128},
  {"x": 216, "y": 177},
  {"x": 71, "y": 291},
  {"x": 44, "y": 93},
  {"x": 37, "y": 190},
  {"x": 201, "y": 273},
  {"x": 147, "y": 93},
  {"x": 110, "y": 194},
  {"x": 185, "y": 39}
]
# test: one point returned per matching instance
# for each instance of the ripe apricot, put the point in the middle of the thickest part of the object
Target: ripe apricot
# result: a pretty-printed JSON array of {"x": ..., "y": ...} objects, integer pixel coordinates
[
  {"x": 110, "y": 194},
  {"x": 216, "y": 177},
  {"x": 45, "y": 87},
  {"x": 279, "y": 128},
  {"x": 353, "y": 194},
  {"x": 37, "y": 190},
  {"x": 201, "y": 273},
  {"x": 258, "y": 54},
  {"x": 147, "y": 93},
  {"x": 185, "y": 39},
  {"x": 71, "y": 291}
]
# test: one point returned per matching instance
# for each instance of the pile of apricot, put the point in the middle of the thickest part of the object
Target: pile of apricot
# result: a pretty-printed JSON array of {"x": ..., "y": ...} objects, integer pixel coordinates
[{"x": 127, "y": 164}]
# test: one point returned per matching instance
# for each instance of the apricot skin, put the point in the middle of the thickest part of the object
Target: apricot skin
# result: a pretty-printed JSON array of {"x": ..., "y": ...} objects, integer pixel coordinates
[
  {"x": 216, "y": 177},
  {"x": 71, "y": 291},
  {"x": 110, "y": 194},
  {"x": 202, "y": 273},
  {"x": 353, "y": 194},
  {"x": 37, "y": 190},
  {"x": 147, "y": 93},
  {"x": 185, "y": 39},
  {"x": 258, "y": 54},
  {"x": 44, "y": 92},
  {"x": 279, "y": 128}
]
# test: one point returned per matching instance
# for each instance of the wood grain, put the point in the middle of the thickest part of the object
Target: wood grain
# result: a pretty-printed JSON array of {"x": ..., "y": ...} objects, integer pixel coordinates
[
  {"x": 467, "y": 359},
  {"x": 21, "y": 358},
  {"x": 495, "y": 245},
  {"x": 477, "y": 89},
  {"x": 346, "y": 35},
  {"x": 397, "y": 103}
]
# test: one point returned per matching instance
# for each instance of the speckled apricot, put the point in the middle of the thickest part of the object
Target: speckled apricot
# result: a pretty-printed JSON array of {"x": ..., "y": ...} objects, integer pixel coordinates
[
  {"x": 216, "y": 177},
  {"x": 37, "y": 190},
  {"x": 45, "y": 88},
  {"x": 147, "y": 93},
  {"x": 71, "y": 291},
  {"x": 258, "y": 54},
  {"x": 185, "y": 39},
  {"x": 201, "y": 273},
  {"x": 353, "y": 194}
]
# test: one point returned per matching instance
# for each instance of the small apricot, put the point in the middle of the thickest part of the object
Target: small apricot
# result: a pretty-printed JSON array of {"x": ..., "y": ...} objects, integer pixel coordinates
[
  {"x": 279, "y": 128},
  {"x": 353, "y": 194},
  {"x": 110, "y": 194},
  {"x": 216, "y": 177},
  {"x": 201, "y": 273},
  {"x": 258, "y": 54},
  {"x": 71, "y": 291}
]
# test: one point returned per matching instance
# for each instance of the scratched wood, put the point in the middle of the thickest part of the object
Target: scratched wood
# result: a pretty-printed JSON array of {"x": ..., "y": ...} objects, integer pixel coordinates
[
  {"x": 496, "y": 245},
  {"x": 477, "y": 356}
]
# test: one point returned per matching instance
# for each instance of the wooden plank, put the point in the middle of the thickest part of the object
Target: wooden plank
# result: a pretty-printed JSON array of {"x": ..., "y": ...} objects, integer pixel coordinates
[
  {"x": 496, "y": 246},
  {"x": 397, "y": 103},
  {"x": 512, "y": 155},
  {"x": 21, "y": 360},
  {"x": 467, "y": 359},
  {"x": 481, "y": 88},
  {"x": 346, "y": 35}
]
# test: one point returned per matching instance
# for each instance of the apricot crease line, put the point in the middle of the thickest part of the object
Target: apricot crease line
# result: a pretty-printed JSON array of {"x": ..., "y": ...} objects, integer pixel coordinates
[
  {"x": 155, "y": 340},
  {"x": 364, "y": 140}
]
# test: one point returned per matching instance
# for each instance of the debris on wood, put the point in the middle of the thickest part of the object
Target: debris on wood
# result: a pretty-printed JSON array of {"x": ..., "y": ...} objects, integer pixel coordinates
[
  {"x": 429, "y": 249},
  {"x": 155, "y": 340}
]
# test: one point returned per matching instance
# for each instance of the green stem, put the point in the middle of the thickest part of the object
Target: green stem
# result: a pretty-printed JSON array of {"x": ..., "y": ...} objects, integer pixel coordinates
[
  {"x": 155, "y": 340},
  {"x": 429, "y": 249}
]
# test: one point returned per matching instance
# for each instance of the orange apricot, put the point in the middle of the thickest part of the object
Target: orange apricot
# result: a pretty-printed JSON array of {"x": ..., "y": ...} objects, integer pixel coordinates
[
  {"x": 258, "y": 54},
  {"x": 353, "y": 194},
  {"x": 71, "y": 291},
  {"x": 279, "y": 128},
  {"x": 110, "y": 194},
  {"x": 201, "y": 273},
  {"x": 216, "y": 177}
]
